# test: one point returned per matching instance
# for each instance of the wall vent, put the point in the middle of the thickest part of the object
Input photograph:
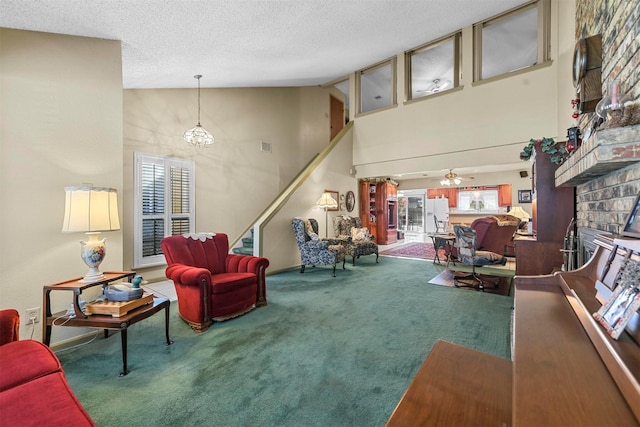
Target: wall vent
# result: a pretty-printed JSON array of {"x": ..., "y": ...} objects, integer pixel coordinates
[{"x": 265, "y": 146}]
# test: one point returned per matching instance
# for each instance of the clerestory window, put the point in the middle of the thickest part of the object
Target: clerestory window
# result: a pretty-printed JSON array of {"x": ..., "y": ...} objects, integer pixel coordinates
[
  {"x": 513, "y": 41},
  {"x": 376, "y": 86},
  {"x": 433, "y": 68}
]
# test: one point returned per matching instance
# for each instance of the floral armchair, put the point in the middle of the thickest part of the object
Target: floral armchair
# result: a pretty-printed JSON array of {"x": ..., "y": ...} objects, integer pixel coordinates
[
  {"x": 314, "y": 251},
  {"x": 357, "y": 240}
]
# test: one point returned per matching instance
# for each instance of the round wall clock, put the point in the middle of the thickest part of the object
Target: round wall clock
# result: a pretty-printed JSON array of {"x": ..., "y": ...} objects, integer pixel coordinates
[
  {"x": 579, "y": 61},
  {"x": 351, "y": 201}
]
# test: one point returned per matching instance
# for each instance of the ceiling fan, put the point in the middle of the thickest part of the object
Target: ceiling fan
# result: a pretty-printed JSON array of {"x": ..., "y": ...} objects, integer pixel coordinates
[
  {"x": 436, "y": 86},
  {"x": 452, "y": 178}
]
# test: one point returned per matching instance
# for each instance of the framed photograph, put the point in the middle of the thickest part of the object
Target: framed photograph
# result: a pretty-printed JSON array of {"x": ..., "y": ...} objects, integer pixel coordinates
[
  {"x": 524, "y": 196},
  {"x": 632, "y": 224},
  {"x": 351, "y": 201},
  {"x": 616, "y": 313},
  {"x": 336, "y": 197}
]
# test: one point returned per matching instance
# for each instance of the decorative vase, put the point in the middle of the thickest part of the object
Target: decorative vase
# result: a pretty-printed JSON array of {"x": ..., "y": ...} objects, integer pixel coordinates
[{"x": 93, "y": 252}]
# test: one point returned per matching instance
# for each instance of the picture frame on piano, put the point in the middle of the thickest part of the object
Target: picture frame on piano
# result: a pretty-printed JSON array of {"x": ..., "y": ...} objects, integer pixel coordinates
[
  {"x": 624, "y": 302},
  {"x": 632, "y": 224}
]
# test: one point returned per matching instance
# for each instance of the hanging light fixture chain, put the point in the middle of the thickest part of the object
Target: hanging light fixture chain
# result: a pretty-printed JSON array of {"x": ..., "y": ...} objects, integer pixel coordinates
[
  {"x": 198, "y": 76},
  {"x": 198, "y": 136}
]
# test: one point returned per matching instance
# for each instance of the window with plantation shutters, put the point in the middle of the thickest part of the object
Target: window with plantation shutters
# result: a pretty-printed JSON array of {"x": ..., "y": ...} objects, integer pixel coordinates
[{"x": 164, "y": 204}]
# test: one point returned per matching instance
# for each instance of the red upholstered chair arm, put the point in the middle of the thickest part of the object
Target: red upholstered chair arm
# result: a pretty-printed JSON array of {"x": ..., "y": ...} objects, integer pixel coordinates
[
  {"x": 188, "y": 275},
  {"x": 9, "y": 326},
  {"x": 192, "y": 289},
  {"x": 250, "y": 264},
  {"x": 246, "y": 264}
]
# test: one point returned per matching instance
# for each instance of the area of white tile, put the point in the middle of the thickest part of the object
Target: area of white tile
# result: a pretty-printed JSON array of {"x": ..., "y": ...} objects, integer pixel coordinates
[
  {"x": 409, "y": 237},
  {"x": 162, "y": 289}
]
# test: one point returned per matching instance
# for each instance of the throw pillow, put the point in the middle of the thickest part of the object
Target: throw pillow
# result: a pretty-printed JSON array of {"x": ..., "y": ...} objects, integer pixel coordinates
[
  {"x": 359, "y": 233},
  {"x": 309, "y": 230}
]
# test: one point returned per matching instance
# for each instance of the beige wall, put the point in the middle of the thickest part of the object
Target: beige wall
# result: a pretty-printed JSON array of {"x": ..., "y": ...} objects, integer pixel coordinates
[
  {"x": 235, "y": 181},
  {"x": 279, "y": 245},
  {"x": 478, "y": 124},
  {"x": 60, "y": 125}
]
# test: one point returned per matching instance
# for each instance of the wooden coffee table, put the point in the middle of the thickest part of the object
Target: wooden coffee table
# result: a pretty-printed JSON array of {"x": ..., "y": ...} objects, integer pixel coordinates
[{"x": 100, "y": 321}]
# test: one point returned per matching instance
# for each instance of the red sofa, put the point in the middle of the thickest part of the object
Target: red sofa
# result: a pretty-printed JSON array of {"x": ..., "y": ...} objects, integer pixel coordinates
[
  {"x": 33, "y": 388},
  {"x": 212, "y": 284}
]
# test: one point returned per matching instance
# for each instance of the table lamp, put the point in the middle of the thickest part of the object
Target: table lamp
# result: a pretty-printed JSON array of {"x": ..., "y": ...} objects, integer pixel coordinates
[
  {"x": 517, "y": 211},
  {"x": 91, "y": 210},
  {"x": 326, "y": 202}
]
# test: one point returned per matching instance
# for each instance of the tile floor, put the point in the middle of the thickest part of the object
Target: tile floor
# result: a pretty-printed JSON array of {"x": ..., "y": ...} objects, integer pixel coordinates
[
  {"x": 409, "y": 237},
  {"x": 162, "y": 289}
]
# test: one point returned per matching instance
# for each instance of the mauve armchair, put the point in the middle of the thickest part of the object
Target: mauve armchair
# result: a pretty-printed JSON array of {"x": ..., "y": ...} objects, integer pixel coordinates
[
  {"x": 212, "y": 284},
  {"x": 494, "y": 233}
]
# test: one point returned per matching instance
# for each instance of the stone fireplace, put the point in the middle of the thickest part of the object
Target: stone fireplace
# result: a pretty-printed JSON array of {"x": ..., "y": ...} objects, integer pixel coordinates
[
  {"x": 605, "y": 170},
  {"x": 585, "y": 245}
]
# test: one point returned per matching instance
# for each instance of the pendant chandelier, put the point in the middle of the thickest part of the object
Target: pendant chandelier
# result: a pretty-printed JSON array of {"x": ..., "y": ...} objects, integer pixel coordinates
[{"x": 198, "y": 136}]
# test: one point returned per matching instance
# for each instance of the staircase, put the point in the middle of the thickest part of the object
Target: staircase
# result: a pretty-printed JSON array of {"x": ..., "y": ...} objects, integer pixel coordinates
[{"x": 247, "y": 246}]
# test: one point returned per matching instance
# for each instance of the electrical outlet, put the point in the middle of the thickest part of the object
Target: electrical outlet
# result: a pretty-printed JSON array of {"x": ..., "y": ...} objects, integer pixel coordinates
[{"x": 32, "y": 313}]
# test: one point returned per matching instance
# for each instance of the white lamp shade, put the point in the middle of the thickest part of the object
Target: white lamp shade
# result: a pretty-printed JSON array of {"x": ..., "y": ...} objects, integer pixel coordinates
[
  {"x": 327, "y": 202},
  {"x": 518, "y": 212},
  {"x": 90, "y": 209}
]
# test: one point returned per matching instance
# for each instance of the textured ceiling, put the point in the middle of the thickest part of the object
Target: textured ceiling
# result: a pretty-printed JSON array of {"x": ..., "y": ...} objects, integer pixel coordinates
[{"x": 247, "y": 43}]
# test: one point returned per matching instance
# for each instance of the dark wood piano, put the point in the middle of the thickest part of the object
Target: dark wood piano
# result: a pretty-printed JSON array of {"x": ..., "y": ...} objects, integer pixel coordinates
[{"x": 565, "y": 369}]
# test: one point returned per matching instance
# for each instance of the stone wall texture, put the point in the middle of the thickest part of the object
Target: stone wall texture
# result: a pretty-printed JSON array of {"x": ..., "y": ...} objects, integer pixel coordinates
[{"x": 604, "y": 202}]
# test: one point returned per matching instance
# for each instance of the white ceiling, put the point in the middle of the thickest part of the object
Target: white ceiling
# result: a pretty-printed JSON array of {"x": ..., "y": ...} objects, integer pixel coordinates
[
  {"x": 248, "y": 43},
  {"x": 251, "y": 43}
]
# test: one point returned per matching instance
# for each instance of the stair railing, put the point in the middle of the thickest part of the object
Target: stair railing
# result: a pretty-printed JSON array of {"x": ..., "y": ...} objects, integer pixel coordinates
[{"x": 280, "y": 201}]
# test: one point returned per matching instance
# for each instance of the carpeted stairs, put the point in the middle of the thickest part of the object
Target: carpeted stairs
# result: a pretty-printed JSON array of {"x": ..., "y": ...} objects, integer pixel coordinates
[{"x": 247, "y": 246}]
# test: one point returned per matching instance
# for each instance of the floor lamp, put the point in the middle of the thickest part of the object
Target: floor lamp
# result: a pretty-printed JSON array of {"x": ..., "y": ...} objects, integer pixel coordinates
[{"x": 326, "y": 202}]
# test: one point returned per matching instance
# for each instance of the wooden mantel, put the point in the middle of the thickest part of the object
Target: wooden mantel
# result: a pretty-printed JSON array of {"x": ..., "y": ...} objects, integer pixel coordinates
[{"x": 605, "y": 151}]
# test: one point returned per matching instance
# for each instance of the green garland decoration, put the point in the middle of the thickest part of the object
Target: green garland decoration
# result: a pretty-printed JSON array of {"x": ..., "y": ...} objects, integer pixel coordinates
[{"x": 557, "y": 152}]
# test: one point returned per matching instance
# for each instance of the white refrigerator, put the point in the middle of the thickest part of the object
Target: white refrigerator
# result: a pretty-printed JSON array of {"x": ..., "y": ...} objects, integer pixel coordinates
[{"x": 438, "y": 208}]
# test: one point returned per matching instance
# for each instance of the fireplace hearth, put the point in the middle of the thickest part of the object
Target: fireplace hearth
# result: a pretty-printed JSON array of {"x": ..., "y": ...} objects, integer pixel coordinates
[{"x": 586, "y": 245}]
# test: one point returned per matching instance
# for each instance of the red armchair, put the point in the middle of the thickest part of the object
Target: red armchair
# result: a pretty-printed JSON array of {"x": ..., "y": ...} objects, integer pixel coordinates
[
  {"x": 33, "y": 387},
  {"x": 212, "y": 284}
]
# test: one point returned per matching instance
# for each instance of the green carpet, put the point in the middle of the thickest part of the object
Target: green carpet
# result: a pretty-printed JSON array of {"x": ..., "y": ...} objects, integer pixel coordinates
[{"x": 325, "y": 352}]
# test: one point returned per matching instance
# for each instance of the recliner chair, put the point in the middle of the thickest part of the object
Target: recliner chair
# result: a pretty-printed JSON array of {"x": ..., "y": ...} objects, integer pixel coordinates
[{"x": 494, "y": 233}]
